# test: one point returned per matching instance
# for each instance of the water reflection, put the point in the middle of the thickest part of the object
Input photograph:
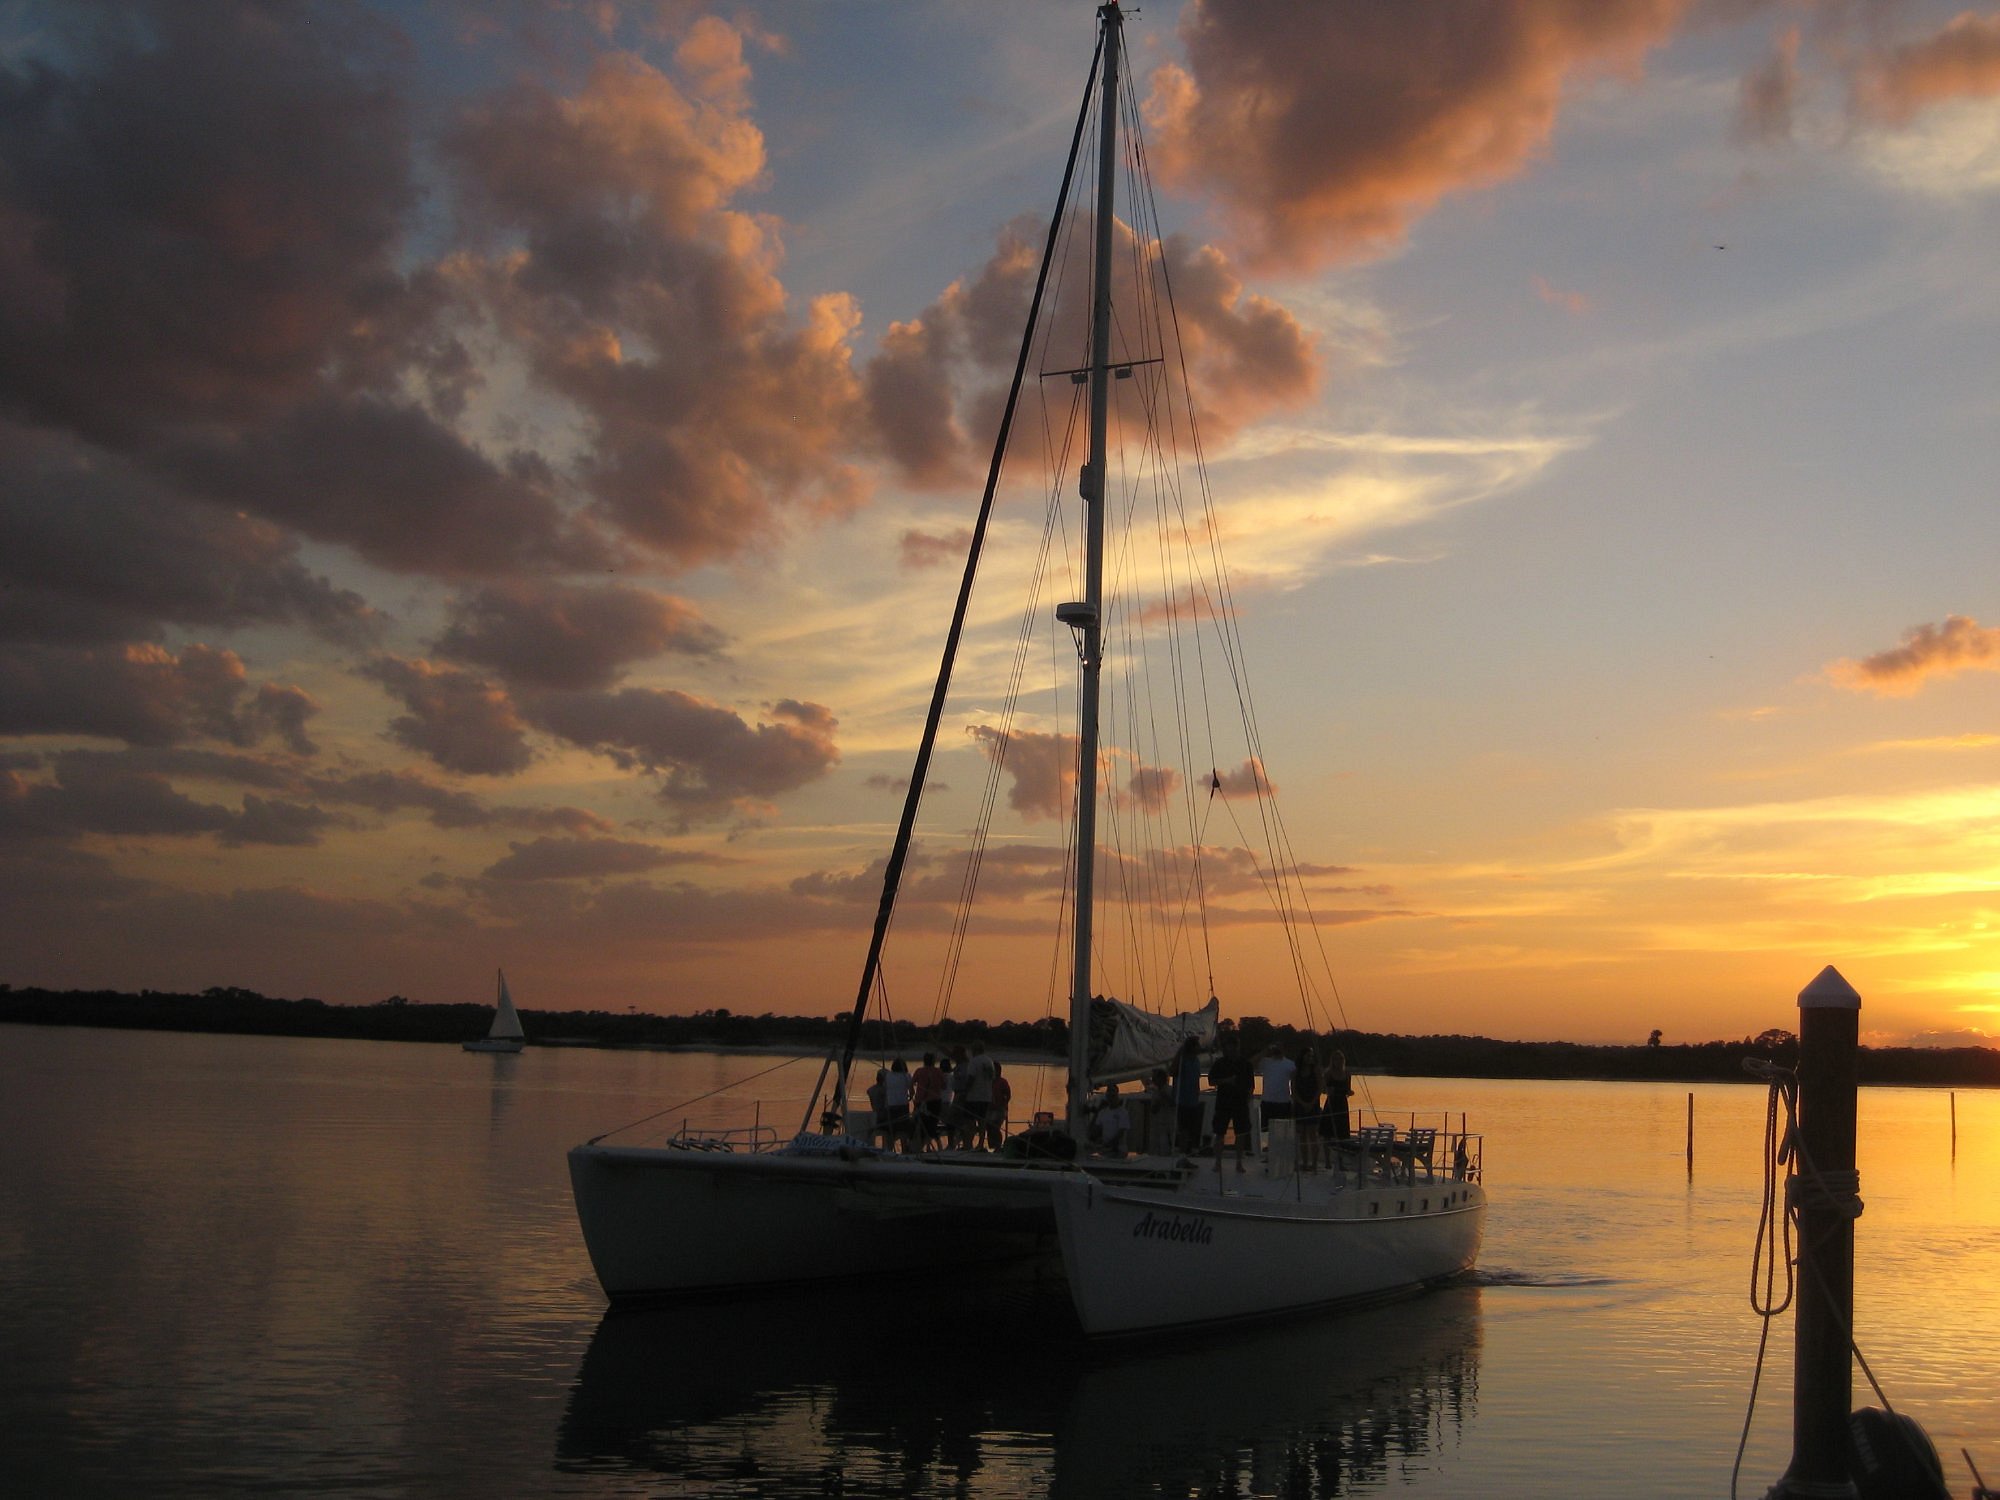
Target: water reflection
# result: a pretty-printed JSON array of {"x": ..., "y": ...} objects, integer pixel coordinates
[{"x": 915, "y": 1394}]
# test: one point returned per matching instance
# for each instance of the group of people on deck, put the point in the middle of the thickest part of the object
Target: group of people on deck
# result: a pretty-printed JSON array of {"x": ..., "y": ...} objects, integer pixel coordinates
[
  {"x": 959, "y": 1100},
  {"x": 1304, "y": 1087}
]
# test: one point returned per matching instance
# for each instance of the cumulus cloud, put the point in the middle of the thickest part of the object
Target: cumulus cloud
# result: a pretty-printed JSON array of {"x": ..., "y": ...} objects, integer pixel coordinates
[
  {"x": 146, "y": 695},
  {"x": 1328, "y": 129},
  {"x": 1768, "y": 95},
  {"x": 93, "y": 551},
  {"x": 709, "y": 760},
  {"x": 1960, "y": 644},
  {"x": 1042, "y": 768},
  {"x": 209, "y": 288},
  {"x": 459, "y": 719},
  {"x": 192, "y": 248},
  {"x": 641, "y": 296},
  {"x": 1150, "y": 787},
  {"x": 943, "y": 373},
  {"x": 1961, "y": 61},
  {"x": 1007, "y": 872},
  {"x": 96, "y": 794},
  {"x": 1246, "y": 780},
  {"x": 570, "y": 636},
  {"x": 394, "y": 483},
  {"x": 378, "y": 791},
  {"x": 924, "y": 549}
]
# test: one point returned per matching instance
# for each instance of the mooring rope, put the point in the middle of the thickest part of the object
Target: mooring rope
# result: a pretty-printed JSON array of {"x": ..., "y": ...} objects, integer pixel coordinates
[
  {"x": 1774, "y": 1232},
  {"x": 1785, "y": 1152}
]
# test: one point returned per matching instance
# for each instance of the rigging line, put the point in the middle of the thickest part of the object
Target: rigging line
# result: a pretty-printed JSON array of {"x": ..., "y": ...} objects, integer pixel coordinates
[
  {"x": 1161, "y": 870},
  {"x": 1277, "y": 842},
  {"x": 1199, "y": 587},
  {"x": 892, "y": 875},
  {"x": 697, "y": 1099},
  {"x": 1129, "y": 632},
  {"x": 1149, "y": 473},
  {"x": 1168, "y": 488},
  {"x": 1153, "y": 396},
  {"x": 996, "y": 761}
]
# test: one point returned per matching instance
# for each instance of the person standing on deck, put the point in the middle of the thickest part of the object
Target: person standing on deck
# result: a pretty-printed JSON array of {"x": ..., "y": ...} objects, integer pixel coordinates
[
  {"x": 996, "y": 1111},
  {"x": 1233, "y": 1076},
  {"x": 927, "y": 1102},
  {"x": 896, "y": 1095},
  {"x": 1339, "y": 1089},
  {"x": 1187, "y": 1097},
  {"x": 975, "y": 1096},
  {"x": 1305, "y": 1108},
  {"x": 1274, "y": 1075},
  {"x": 955, "y": 1079}
]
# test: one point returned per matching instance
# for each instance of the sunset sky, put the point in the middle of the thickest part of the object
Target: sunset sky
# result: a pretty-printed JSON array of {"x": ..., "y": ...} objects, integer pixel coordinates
[{"x": 484, "y": 485}]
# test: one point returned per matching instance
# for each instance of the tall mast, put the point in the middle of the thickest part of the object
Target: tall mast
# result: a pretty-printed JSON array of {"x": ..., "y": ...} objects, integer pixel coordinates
[
  {"x": 906, "y": 829},
  {"x": 1089, "y": 621}
]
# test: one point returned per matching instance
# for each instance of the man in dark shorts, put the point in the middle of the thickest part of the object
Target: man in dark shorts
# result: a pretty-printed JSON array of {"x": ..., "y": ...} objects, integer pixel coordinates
[{"x": 1232, "y": 1075}]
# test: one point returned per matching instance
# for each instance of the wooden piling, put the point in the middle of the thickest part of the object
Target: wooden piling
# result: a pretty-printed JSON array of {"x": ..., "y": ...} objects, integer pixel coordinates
[
  {"x": 1825, "y": 1192},
  {"x": 1954, "y": 1124},
  {"x": 1690, "y": 1136}
]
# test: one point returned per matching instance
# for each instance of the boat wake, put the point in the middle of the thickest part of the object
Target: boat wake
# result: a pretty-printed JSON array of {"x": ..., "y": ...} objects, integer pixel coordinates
[{"x": 1563, "y": 1280}]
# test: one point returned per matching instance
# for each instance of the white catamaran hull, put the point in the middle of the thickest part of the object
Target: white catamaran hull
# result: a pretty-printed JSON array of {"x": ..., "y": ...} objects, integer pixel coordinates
[
  {"x": 1145, "y": 1258},
  {"x": 494, "y": 1044},
  {"x": 662, "y": 1221}
]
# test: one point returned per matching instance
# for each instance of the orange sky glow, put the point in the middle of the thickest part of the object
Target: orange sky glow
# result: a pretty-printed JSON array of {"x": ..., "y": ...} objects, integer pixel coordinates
[{"x": 488, "y": 489}]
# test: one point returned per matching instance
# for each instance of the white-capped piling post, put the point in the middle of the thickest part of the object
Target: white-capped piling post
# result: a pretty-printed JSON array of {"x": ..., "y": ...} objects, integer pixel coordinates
[{"x": 1826, "y": 1190}]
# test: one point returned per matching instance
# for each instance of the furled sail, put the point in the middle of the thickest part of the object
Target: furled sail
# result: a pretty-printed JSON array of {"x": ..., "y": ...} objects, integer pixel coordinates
[{"x": 1127, "y": 1042}]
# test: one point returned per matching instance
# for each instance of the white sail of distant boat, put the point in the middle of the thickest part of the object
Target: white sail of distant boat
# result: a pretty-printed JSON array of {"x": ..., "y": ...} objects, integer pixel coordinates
[
  {"x": 505, "y": 1034},
  {"x": 1146, "y": 1241}
]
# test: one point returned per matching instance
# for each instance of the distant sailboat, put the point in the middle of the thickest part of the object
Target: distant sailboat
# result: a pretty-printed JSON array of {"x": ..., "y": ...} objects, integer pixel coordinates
[{"x": 505, "y": 1034}]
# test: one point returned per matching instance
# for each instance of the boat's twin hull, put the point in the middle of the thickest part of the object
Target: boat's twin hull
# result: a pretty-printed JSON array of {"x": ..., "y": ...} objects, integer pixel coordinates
[
  {"x": 664, "y": 1222},
  {"x": 494, "y": 1044},
  {"x": 659, "y": 1222},
  {"x": 1139, "y": 1259}
]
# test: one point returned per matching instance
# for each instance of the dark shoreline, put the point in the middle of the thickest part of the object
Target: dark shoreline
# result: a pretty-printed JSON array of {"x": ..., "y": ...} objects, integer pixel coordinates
[{"x": 244, "y": 1012}]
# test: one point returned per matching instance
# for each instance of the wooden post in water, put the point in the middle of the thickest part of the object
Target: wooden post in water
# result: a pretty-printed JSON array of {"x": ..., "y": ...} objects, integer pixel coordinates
[
  {"x": 1954, "y": 1125},
  {"x": 1690, "y": 1135},
  {"x": 1824, "y": 1191}
]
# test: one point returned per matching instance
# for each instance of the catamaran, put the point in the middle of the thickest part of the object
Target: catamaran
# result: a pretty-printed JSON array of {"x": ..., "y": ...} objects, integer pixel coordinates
[{"x": 1150, "y": 1240}]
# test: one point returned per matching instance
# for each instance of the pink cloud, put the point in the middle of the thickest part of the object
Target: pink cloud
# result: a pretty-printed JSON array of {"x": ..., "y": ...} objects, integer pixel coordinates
[
  {"x": 1328, "y": 129},
  {"x": 1960, "y": 644}
]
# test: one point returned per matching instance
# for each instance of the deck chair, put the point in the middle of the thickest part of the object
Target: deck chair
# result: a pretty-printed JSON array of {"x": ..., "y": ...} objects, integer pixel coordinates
[{"x": 1419, "y": 1150}]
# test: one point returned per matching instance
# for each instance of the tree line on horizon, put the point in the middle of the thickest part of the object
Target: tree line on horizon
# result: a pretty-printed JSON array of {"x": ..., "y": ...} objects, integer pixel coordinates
[{"x": 227, "y": 1009}]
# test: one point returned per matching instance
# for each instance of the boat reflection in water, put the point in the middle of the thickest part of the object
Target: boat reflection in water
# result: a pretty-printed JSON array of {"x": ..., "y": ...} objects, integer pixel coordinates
[{"x": 911, "y": 1394}]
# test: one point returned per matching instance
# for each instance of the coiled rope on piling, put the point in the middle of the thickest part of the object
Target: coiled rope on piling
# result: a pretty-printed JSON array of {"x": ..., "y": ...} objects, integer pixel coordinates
[
  {"x": 1775, "y": 1227},
  {"x": 1805, "y": 1185}
]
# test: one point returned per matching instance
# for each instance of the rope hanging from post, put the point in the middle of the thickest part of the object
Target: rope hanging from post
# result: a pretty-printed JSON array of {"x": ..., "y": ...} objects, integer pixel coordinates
[{"x": 1775, "y": 1228}]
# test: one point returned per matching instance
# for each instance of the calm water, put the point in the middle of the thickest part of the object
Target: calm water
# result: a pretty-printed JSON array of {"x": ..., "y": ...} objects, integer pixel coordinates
[{"x": 234, "y": 1264}]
